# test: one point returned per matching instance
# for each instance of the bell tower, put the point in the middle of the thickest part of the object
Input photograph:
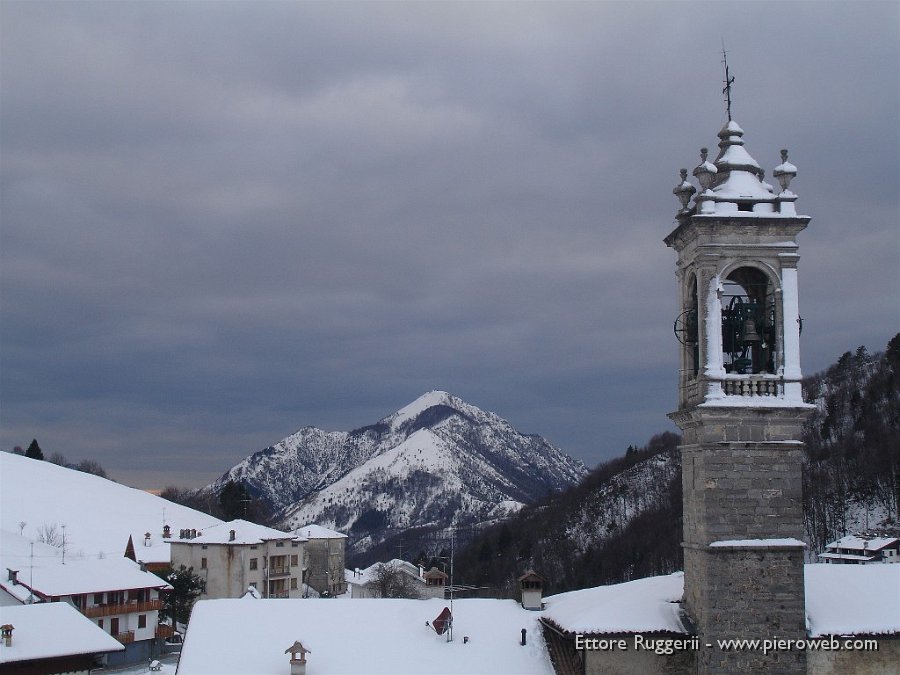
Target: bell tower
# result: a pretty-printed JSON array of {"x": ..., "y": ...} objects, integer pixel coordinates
[{"x": 740, "y": 406}]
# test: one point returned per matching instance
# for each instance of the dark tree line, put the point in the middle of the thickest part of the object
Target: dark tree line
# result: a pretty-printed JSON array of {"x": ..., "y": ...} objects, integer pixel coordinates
[{"x": 233, "y": 502}]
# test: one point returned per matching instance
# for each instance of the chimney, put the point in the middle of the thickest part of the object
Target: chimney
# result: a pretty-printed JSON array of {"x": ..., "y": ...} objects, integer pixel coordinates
[
  {"x": 6, "y": 633},
  {"x": 231, "y": 535},
  {"x": 167, "y": 531},
  {"x": 298, "y": 665},
  {"x": 13, "y": 576},
  {"x": 531, "y": 585},
  {"x": 146, "y": 538}
]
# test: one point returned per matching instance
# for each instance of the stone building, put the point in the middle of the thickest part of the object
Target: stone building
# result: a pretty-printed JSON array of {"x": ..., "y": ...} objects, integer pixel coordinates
[
  {"x": 238, "y": 555},
  {"x": 740, "y": 406},
  {"x": 326, "y": 556}
]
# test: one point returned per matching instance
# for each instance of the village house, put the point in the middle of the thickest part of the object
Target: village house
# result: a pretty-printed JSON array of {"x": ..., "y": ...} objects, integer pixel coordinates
[
  {"x": 862, "y": 550},
  {"x": 116, "y": 594},
  {"x": 234, "y": 556},
  {"x": 51, "y": 638},
  {"x": 424, "y": 584},
  {"x": 326, "y": 556}
]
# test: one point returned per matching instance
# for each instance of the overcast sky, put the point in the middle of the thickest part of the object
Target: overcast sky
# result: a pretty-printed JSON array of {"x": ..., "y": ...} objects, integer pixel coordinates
[{"x": 222, "y": 222}]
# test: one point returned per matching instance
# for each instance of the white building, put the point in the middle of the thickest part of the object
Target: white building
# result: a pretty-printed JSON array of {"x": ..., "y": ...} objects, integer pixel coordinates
[
  {"x": 115, "y": 593},
  {"x": 861, "y": 550},
  {"x": 234, "y": 556}
]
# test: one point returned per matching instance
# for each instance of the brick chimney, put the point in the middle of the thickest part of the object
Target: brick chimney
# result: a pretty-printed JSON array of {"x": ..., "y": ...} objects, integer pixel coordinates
[
  {"x": 13, "y": 576},
  {"x": 298, "y": 665}
]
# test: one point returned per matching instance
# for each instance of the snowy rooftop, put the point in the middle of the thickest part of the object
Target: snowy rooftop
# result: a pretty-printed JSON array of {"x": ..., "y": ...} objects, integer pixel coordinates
[
  {"x": 853, "y": 599},
  {"x": 318, "y": 532},
  {"x": 48, "y": 576},
  {"x": 361, "y": 577},
  {"x": 52, "y": 630},
  {"x": 643, "y": 605},
  {"x": 99, "y": 514},
  {"x": 861, "y": 543},
  {"x": 840, "y": 599},
  {"x": 244, "y": 533},
  {"x": 371, "y": 636}
]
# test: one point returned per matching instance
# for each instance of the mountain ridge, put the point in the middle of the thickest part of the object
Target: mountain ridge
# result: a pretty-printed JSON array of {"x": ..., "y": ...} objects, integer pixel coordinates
[{"x": 434, "y": 462}]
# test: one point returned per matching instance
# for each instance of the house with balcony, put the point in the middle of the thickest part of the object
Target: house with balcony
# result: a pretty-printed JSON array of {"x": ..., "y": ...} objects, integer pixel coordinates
[
  {"x": 234, "y": 556},
  {"x": 862, "y": 550},
  {"x": 116, "y": 594}
]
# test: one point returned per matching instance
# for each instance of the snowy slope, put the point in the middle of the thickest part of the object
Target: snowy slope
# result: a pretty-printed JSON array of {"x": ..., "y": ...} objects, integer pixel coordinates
[
  {"x": 435, "y": 461},
  {"x": 98, "y": 514}
]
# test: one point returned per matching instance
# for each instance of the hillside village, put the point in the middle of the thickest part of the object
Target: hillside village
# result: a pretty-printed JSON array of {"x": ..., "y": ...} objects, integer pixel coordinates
[{"x": 99, "y": 576}]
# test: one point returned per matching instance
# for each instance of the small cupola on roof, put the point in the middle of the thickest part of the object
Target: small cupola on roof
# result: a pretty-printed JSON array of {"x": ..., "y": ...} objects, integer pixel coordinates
[{"x": 735, "y": 183}]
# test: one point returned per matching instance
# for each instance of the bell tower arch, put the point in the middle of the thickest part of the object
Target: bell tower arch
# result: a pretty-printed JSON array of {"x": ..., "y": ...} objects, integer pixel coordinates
[{"x": 740, "y": 406}]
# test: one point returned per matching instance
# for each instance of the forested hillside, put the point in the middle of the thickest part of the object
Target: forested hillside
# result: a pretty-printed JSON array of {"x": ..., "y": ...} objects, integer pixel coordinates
[{"x": 624, "y": 519}]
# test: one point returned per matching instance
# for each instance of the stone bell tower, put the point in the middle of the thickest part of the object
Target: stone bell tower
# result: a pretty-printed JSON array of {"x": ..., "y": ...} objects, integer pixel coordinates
[{"x": 740, "y": 407}]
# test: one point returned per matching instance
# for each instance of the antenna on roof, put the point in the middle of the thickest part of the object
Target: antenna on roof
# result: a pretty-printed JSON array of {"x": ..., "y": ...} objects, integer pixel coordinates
[{"x": 729, "y": 80}]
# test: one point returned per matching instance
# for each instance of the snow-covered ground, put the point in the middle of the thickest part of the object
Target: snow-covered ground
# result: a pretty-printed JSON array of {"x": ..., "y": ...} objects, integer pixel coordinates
[{"x": 95, "y": 515}]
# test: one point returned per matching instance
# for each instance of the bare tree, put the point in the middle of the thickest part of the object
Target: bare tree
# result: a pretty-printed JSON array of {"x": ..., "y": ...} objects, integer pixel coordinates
[{"x": 392, "y": 582}]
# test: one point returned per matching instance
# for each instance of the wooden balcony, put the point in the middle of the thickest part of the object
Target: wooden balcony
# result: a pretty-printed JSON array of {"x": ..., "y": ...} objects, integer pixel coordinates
[
  {"x": 123, "y": 608},
  {"x": 126, "y": 637},
  {"x": 280, "y": 571}
]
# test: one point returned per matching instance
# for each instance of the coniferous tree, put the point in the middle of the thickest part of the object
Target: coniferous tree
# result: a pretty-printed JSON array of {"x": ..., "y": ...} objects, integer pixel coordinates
[{"x": 34, "y": 450}]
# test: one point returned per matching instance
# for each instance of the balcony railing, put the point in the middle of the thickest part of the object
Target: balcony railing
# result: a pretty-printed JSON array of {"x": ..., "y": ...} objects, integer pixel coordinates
[
  {"x": 126, "y": 637},
  {"x": 279, "y": 571},
  {"x": 121, "y": 608},
  {"x": 280, "y": 594},
  {"x": 753, "y": 385}
]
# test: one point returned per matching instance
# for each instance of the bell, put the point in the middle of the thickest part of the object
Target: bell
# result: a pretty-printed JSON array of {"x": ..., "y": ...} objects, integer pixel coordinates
[{"x": 750, "y": 334}]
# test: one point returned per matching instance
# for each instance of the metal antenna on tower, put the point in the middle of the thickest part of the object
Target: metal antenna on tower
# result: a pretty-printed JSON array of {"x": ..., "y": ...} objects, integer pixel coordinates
[{"x": 729, "y": 80}]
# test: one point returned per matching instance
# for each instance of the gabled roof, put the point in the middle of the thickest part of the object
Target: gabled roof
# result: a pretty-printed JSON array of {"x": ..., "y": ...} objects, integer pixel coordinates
[
  {"x": 313, "y": 531},
  {"x": 244, "y": 533},
  {"x": 872, "y": 544},
  {"x": 51, "y": 630},
  {"x": 47, "y": 575}
]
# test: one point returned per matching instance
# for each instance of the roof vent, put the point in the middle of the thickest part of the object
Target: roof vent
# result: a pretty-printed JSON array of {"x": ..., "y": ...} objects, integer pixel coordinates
[
  {"x": 13, "y": 575},
  {"x": 231, "y": 535}
]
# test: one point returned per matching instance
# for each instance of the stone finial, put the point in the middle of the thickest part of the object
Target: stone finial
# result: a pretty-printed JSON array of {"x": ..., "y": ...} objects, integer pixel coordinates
[
  {"x": 706, "y": 171},
  {"x": 785, "y": 171},
  {"x": 684, "y": 190}
]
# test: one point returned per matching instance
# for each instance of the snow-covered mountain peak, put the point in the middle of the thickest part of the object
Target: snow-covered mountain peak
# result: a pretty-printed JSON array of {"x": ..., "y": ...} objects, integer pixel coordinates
[
  {"x": 435, "y": 461},
  {"x": 420, "y": 405}
]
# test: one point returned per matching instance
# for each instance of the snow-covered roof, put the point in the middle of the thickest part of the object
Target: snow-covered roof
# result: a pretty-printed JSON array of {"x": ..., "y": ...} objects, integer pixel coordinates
[
  {"x": 758, "y": 543},
  {"x": 313, "y": 531},
  {"x": 99, "y": 514},
  {"x": 840, "y": 600},
  {"x": 847, "y": 556},
  {"x": 47, "y": 575},
  {"x": 375, "y": 636},
  {"x": 853, "y": 599},
  {"x": 361, "y": 577},
  {"x": 51, "y": 630},
  {"x": 244, "y": 533},
  {"x": 640, "y": 606},
  {"x": 871, "y": 544}
]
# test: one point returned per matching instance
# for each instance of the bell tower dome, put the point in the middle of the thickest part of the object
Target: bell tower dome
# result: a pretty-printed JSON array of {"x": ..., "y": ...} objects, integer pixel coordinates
[{"x": 740, "y": 405}]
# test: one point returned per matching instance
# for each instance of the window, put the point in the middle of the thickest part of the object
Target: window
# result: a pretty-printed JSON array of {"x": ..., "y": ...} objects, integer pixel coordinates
[
  {"x": 254, "y": 563},
  {"x": 100, "y": 623},
  {"x": 294, "y": 559},
  {"x": 114, "y": 626},
  {"x": 294, "y": 544},
  {"x": 203, "y": 563},
  {"x": 98, "y": 598},
  {"x": 142, "y": 621},
  {"x": 293, "y": 584},
  {"x": 252, "y": 584},
  {"x": 279, "y": 544},
  {"x": 253, "y": 547}
]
